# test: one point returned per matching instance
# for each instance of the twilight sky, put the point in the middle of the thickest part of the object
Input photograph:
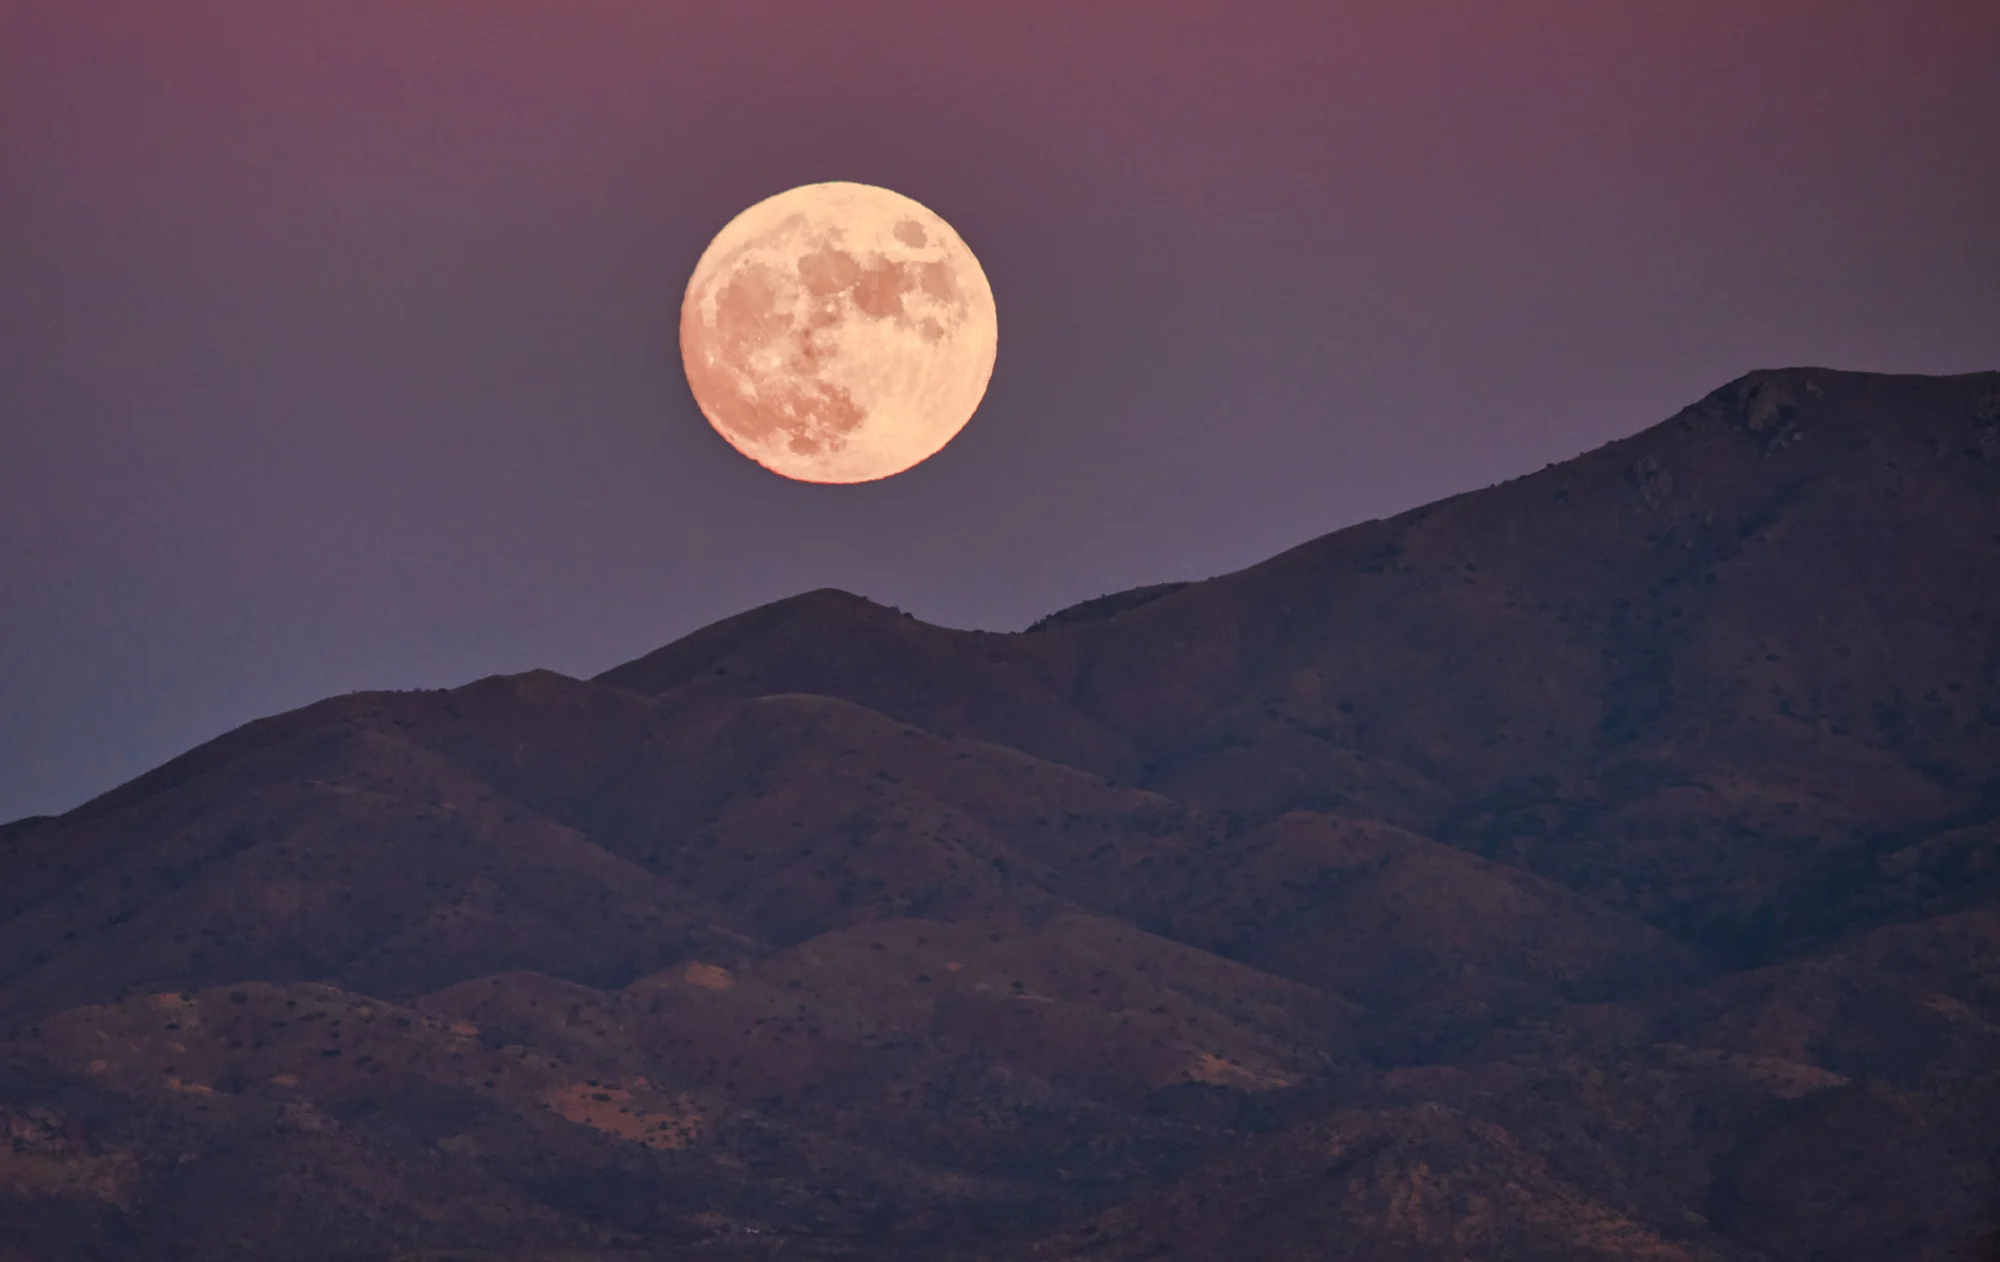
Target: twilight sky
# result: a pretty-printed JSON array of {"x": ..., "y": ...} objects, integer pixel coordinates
[{"x": 337, "y": 339}]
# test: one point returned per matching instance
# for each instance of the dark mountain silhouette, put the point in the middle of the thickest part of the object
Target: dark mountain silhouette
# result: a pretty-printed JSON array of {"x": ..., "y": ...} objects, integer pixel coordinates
[{"x": 1605, "y": 864}]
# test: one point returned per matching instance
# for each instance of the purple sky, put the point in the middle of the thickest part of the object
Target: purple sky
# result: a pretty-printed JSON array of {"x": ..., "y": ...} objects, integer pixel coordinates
[{"x": 337, "y": 340}]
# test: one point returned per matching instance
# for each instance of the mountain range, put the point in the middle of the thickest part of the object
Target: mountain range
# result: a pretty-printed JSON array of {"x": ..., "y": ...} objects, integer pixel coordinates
[{"x": 1600, "y": 865}]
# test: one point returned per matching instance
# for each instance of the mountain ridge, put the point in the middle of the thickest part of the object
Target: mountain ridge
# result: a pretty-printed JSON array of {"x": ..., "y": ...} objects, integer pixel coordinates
[{"x": 1600, "y": 864}]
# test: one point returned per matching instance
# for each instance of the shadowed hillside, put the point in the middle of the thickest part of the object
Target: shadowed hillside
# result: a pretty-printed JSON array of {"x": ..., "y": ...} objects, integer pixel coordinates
[{"x": 1604, "y": 864}]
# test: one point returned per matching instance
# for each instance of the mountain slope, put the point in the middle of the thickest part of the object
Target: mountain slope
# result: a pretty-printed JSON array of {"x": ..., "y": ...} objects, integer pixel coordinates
[
  {"x": 1599, "y": 865},
  {"x": 1759, "y": 631}
]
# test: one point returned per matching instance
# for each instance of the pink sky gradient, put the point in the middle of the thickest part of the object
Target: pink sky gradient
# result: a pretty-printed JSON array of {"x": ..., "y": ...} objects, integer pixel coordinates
[{"x": 337, "y": 340}]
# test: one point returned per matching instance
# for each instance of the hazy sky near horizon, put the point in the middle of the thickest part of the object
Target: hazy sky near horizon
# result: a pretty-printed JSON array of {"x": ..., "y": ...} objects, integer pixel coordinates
[{"x": 337, "y": 340}]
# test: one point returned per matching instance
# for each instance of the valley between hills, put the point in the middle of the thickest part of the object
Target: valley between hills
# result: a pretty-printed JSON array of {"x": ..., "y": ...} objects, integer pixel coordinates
[{"x": 1600, "y": 865}]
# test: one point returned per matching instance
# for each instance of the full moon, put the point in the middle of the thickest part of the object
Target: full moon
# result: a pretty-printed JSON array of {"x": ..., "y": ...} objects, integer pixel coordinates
[{"x": 838, "y": 333}]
